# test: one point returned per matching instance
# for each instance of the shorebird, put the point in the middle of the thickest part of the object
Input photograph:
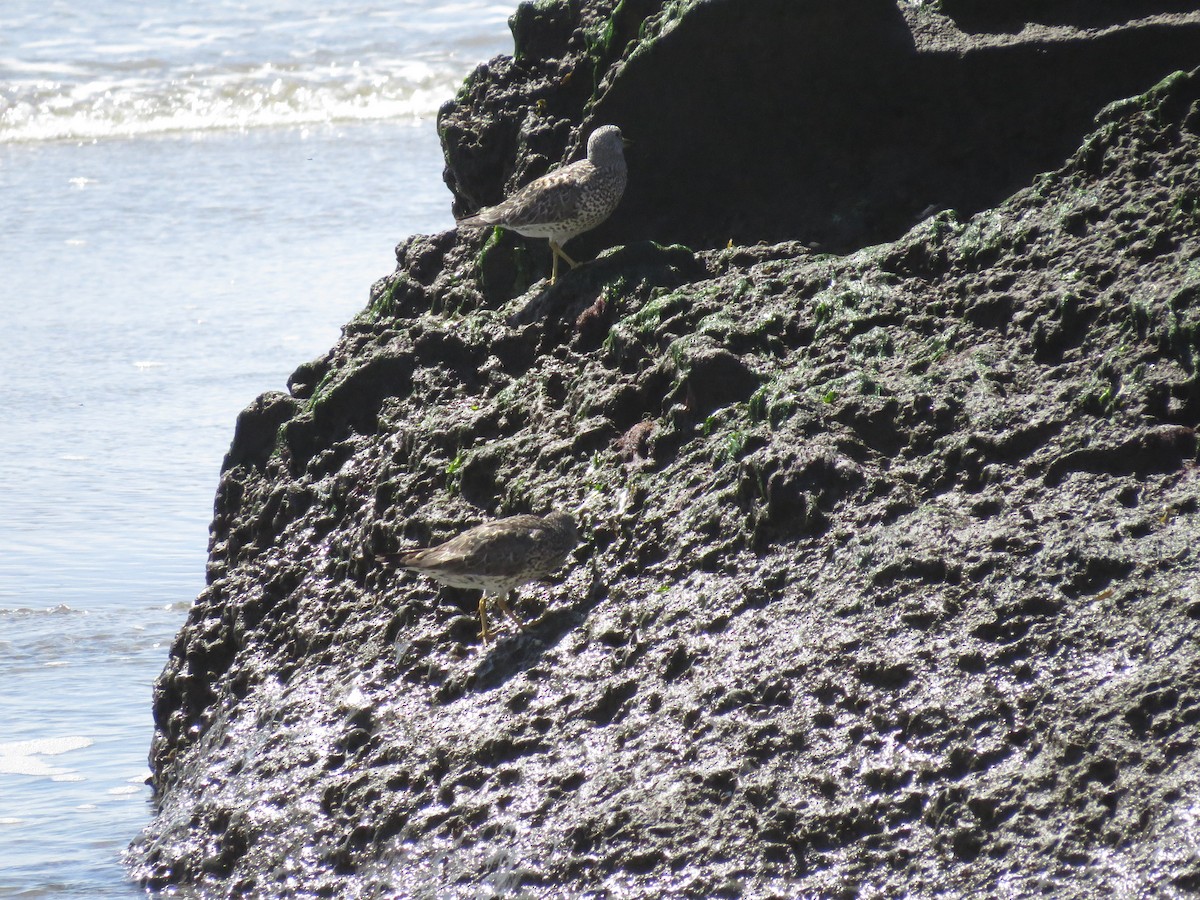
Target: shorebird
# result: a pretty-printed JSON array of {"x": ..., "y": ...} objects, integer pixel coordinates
[
  {"x": 496, "y": 557},
  {"x": 566, "y": 202}
]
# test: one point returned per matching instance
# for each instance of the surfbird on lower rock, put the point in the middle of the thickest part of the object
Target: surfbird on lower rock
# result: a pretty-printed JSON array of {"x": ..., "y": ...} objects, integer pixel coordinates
[
  {"x": 566, "y": 202},
  {"x": 496, "y": 557}
]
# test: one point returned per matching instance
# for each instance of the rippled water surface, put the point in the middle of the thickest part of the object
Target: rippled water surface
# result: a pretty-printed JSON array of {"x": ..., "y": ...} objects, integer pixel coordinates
[
  {"x": 84, "y": 70},
  {"x": 193, "y": 198}
]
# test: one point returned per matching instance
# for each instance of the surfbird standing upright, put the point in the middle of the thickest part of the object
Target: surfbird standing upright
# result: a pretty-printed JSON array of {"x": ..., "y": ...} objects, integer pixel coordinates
[
  {"x": 566, "y": 202},
  {"x": 496, "y": 557}
]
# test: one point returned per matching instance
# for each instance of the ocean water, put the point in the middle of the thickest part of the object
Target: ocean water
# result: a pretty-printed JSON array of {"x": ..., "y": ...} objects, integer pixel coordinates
[{"x": 193, "y": 199}]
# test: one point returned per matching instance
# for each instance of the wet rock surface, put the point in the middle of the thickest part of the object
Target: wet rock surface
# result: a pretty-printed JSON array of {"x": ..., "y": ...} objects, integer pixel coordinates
[{"x": 888, "y": 584}]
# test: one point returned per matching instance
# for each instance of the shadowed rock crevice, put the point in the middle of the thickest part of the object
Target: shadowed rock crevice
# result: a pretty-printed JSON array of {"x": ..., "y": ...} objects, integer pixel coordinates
[{"x": 903, "y": 128}]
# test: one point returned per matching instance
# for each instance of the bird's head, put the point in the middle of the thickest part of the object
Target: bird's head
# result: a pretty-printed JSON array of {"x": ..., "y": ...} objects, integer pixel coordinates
[{"x": 606, "y": 146}]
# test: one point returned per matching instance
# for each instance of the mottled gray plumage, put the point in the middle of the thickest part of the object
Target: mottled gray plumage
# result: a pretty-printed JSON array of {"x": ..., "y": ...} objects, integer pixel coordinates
[
  {"x": 496, "y": 557},
  {"x": 568, "y": 201}
]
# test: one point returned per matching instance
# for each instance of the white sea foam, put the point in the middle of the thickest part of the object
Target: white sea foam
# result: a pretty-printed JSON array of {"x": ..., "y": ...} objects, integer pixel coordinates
[
  {"x": 24, "y": 612},
  {"x": 45, "y": 746},
  {"x": 26, "y": 757},
  {"x": 239, "y": 97}
]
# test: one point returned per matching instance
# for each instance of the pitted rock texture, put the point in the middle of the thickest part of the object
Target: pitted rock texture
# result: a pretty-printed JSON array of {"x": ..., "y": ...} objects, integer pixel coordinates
[{"x": 888, "y": 584}]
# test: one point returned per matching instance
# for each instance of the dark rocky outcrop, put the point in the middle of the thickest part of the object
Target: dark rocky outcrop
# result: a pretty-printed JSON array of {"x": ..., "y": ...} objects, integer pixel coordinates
[
  {"x": 836, "y": 123},
  {"x": 889, "y": 580}
]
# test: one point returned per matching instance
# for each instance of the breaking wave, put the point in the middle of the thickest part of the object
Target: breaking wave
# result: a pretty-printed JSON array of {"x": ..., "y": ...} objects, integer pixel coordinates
[{"x": 56, "y": 103}]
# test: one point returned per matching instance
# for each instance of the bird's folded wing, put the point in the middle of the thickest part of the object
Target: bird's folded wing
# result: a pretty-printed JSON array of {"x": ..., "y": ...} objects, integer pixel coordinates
[{"x": 552, "y": 198}]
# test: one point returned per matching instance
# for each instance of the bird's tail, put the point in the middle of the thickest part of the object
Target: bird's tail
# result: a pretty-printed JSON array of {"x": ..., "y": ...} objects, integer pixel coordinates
[
  {"x": 403, "y": 558},
  {"x": 479, "y": 220}
]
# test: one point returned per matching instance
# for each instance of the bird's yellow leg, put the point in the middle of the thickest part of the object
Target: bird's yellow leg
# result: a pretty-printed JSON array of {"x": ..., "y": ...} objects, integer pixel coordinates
[
  {"x": 554, "y": 265},
  {"x": 507, "y": 610},
  {"x": 559, "y": 251},
  {"x": 484, "y": 634}
]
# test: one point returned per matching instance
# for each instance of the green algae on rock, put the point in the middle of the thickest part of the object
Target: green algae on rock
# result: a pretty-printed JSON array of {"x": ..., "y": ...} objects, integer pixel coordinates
[{"x": 899, "y": 598}]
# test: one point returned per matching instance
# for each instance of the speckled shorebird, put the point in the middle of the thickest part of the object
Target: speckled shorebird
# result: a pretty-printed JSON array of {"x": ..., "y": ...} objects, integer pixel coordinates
[
  {"x": 566, "y": 202},
  {"x": 496, "y": 557}
]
